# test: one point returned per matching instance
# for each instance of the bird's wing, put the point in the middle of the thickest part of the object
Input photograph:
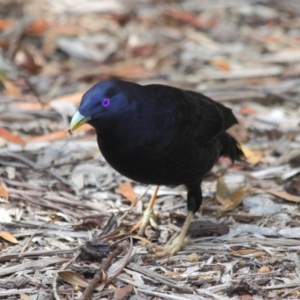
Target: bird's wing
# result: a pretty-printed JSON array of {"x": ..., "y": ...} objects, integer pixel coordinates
[{"x": 204, "y": 118}]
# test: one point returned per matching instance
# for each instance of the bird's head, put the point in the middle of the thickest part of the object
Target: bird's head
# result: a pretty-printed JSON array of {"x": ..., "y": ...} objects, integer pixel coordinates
[{"x": 101, "y": 104}]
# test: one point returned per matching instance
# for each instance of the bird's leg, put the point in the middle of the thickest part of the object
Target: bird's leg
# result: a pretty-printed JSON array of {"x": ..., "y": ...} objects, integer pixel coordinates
[
  {"x": 178, "y": 242},
  {"x": 194, "y": 200},
  {"x": 148, "y": 216}
]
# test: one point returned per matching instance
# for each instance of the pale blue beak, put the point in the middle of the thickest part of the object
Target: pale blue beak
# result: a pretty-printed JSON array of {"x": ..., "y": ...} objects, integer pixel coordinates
[{"x": 78, "y": 120}]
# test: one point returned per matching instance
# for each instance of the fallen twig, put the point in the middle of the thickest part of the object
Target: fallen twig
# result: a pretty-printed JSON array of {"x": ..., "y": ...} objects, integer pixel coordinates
[{"x": 100, "y": 275}]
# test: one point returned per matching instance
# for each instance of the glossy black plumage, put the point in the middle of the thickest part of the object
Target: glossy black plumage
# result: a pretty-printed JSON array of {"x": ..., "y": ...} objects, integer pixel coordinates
[{"x": 158, "y": 134}]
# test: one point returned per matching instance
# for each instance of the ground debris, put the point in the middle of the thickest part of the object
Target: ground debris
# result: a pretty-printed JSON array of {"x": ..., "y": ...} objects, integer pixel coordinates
[{"x": 58, "y": 196}]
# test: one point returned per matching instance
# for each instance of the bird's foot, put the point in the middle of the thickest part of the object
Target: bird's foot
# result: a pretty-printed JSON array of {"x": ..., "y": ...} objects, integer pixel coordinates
[
  {"x": 148, "y": 218},
  {"x": 179, "y": 241},
  {"x": 177, "y": 244}
]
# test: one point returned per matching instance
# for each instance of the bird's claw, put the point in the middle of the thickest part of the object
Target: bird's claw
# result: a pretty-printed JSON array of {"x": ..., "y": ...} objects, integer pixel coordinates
[
  {"x": 177, "y": 244},
  {"x": 148, "y": 218}
]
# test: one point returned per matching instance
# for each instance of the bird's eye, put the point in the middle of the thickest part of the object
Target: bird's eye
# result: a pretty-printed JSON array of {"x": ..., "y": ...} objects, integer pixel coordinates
[{"x": 105, "y": 102}]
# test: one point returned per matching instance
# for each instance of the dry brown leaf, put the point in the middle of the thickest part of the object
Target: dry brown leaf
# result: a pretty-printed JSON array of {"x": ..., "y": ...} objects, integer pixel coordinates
[
  {"x": 54, "y": 32},
  {"x": 171, "y": 274},
  {"x": 259, "y": 254},
  {"x": 296, "y": 294},
  {"x": 11, "y": 89},
  {"x": 193, "y": 257},
  {"x": 4, "y": 193},
  {"x": 74, "y": 98},
  {"x": 4, "y": 44},
  {"x": 24, "y": 297},
  {"x": 73, "y": 278},
  {"x": 111, "y": 287},
  {"x": 121, "y": 70},
  {"x": 5, "y": 23},
  {"x": 29, "y": 60},
  {"x": 104, "y": 277},
  {"x": 253, "y": 157},
  {"x": 235, "y": 199},
  {"x": 127, "y": 71},
  {"x": 37, "y": 27},
  {"x": 230, "y": 201},
  {"x": 254, "y": 252},
  {"x": 189, "y": 18},
  {"x": 264, "y": 269},
  {"x": 246, "y": 297},
  {"x": 8, "y": 136},
  {"x": 242, "y": 251},
  {"x": 30, "y": 106},
  {"x": 126, "y": 190},
  {"x": 8, "y": 237},
  {"x": 248, "y": 111},
  {"x": 221, "y": 63},
  {"x": 57, "y": 135},
  {"x": 284, "y": 195},
  {"x": 123, "y": 293}
]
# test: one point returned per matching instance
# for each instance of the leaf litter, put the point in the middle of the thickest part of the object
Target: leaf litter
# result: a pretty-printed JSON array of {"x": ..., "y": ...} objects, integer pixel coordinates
[{"x": 57, "y": 194}]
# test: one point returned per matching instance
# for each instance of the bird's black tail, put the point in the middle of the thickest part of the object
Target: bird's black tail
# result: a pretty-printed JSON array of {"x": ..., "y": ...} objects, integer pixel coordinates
[{"x": 230, "y": 147}]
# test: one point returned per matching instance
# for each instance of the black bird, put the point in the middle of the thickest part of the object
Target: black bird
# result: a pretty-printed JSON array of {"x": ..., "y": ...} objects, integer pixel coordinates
[{"x": 158, "y": 134}]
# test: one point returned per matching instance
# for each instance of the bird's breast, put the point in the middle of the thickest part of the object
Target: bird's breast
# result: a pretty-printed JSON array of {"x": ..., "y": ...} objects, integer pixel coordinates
[
  {"x": 141, "y": 157},
  {"x": 166, "y": 160}
]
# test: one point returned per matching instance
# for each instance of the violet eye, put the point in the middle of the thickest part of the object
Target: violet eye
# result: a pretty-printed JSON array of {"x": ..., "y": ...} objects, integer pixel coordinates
[{"x": 105, "y": 102}]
